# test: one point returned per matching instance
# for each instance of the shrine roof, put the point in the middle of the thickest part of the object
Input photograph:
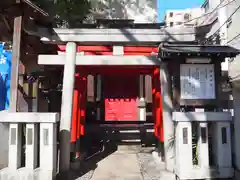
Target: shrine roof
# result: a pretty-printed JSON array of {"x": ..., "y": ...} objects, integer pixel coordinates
[{"x": 173, "y": 50}]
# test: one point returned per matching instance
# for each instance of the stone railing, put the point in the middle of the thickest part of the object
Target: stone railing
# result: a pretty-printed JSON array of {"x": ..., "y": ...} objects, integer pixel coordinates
[
  {"x": 220, "y": 152},
  {"x": 40, "y": 147}
]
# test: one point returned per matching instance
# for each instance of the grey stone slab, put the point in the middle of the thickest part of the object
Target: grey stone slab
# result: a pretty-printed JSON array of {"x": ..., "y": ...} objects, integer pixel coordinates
[{"x": 118, "y": 166}]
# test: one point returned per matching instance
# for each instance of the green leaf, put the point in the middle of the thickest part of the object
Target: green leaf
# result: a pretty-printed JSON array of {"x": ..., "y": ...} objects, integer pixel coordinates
[{"x": 68, "y": 12}]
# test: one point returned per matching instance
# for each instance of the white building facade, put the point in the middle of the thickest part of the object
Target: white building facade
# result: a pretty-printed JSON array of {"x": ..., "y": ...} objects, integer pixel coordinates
[
  {"x": 223, "y": 15},
  {"x": 187, "y": 17},
  {"x": 216, "y": 14}
]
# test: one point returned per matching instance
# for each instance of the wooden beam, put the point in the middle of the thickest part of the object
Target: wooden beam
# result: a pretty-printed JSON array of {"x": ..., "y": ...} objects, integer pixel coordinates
[
  {"x": 62, "y": 48},
  {"x": 28, "y": 117},
  {"x": 116, "y": 36},
  {"x": 130, "y": 49},
  {"x": 15, "y": 62},
  {"x": 100, "y": 60},
  {"x": 202, "y": 116}
]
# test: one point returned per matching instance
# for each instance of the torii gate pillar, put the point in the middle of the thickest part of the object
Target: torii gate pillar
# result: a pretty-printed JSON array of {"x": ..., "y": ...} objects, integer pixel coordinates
[{"x": 66, "y": 108}]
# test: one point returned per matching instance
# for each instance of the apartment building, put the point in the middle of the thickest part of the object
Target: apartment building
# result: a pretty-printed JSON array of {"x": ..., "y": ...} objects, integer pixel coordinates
[
  {"x": 187, "y": 17},
  {"x": 223, "y": 16}
]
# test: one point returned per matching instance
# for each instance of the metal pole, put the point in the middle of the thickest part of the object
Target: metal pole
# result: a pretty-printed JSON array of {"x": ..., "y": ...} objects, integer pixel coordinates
[{"x": 66, "y": 108}]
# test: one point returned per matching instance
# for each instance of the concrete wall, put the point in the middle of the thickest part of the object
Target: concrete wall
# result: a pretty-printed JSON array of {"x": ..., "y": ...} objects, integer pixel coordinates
[
  {"x": 227, "y": 32},
  {"x": 3, "y": 145},
  {"x": 236, "y": 101},
  {"x": 212, "y": 18},
  {"x": 142, "y": 11},
  {"x": 233, "y": 30},
  {"x": 218, "y": 19}
]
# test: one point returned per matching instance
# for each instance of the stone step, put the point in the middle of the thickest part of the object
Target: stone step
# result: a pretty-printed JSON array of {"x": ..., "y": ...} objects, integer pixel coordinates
[
  {"x": 134, "y": 149},
  {"x": 129, "y": 148},
  {"x": 131, "y": 141}
]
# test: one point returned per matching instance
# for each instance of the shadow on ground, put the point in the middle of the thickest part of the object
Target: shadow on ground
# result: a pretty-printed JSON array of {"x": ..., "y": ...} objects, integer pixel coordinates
[{"x": 89, "y": 163}]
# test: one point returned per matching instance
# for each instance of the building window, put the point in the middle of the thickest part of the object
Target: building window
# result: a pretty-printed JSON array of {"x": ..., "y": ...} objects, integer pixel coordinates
[
  {"x": 186, "y": 17},
  {"x": 206, "y": 5},
  {"x": 171, "y": 14},
  {"x": 171, "y": 24}
]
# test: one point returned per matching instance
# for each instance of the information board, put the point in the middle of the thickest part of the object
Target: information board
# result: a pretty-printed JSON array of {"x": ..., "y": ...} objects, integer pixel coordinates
[{"x": 197, "y": 81}]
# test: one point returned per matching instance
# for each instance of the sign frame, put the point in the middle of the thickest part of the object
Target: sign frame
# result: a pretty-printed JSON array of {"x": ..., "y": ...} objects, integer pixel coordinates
[{"x": 197, "y": 81}]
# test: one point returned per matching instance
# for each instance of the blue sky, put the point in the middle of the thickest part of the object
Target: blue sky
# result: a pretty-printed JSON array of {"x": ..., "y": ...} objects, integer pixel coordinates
[{"x": 164, "y": 5}]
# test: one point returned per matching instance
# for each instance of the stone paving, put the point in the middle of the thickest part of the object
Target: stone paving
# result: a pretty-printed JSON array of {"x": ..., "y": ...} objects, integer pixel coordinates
[
  {"x": 151, "y": 169},
  {"x": 128, "y": 166}
]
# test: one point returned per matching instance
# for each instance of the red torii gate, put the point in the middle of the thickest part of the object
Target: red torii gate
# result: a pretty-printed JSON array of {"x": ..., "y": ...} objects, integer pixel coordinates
[
  {"x": 122, "y": 38},
  {"x": 79, "y": 96}
]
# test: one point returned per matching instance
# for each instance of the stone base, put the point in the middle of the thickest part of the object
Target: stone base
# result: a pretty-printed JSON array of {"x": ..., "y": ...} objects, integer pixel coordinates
[
  {"x": 237, "y": 175},
  {"x": 156, "y": 156},
  {"x": 26, "y": 174},
  {"x": 205, "y": 173}
]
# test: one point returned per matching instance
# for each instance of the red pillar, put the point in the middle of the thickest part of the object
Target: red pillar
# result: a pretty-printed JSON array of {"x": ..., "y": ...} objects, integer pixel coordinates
[
  {"x": 153, "y": 104},
  {"x": 81, "y": 111},
  {"x": 157, "y": 104},
  {"x": 75, "y": 114}
]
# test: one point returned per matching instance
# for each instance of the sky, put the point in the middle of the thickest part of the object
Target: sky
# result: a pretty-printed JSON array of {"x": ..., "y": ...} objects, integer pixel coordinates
[{"x": 164, "y": 5}]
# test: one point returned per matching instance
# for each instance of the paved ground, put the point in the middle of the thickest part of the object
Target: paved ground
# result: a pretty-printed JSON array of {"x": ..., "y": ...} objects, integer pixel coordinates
[
  {"x": 151, "y": 169},
  {"x": 118, "y": 166},
  {"x": 128, "y": 166}
]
